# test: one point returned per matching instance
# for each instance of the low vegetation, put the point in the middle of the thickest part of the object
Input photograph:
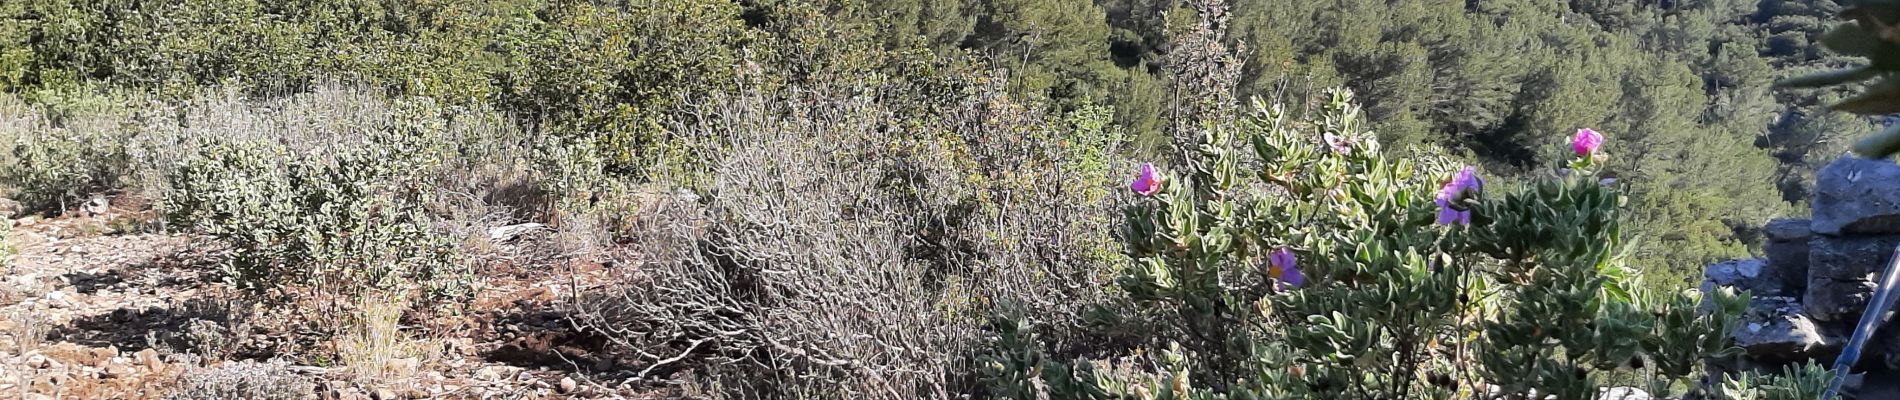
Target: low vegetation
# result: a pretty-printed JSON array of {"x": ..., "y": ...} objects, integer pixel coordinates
[{"x": 995, "y": 198}]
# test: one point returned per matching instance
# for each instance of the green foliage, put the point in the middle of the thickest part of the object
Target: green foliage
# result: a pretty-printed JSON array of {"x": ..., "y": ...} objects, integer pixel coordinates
[
  {"x": 1531, "y": 297},
  {"x": 351, "y": 219},
  {"x": 1870, "y": 36},
  {"x": 1490, "y": 79},
  {"x": 1795, "y": 382},
  {"x": 73, "y": 148}
]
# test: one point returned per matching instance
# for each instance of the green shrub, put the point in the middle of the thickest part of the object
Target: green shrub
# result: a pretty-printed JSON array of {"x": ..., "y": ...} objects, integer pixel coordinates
[
  {"x": 71, "y": 146},
  {"x": 1794, "y": 382},
  {"x": 351, "y": 220},
  {"x": 1317, "y": 268},
  {"x": 331, "y": 192}
]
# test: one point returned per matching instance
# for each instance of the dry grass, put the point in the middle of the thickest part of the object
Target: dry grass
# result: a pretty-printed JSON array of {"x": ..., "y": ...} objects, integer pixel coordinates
[{"x": 373, "y": 345}]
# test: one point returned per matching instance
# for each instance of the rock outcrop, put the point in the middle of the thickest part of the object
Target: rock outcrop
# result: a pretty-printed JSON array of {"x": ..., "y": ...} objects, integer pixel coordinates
[
  {"x": 1855, "y": 195},
  {"x": 1818, "y": 274}
]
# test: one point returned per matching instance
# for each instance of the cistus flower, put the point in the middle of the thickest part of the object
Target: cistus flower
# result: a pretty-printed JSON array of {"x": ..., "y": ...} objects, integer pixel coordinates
[
  {"x": 1339, "y": 144},
  {"x": 1281, "y": 265},
  {"x": 1452, "y": 207},
  {"x": 1586, "y": 142},
  {"x": 1146, "y": 183}
]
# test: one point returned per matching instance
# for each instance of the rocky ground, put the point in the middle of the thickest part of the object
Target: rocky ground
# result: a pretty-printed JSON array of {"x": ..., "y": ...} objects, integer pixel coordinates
[{"x": 95, "y": 306}]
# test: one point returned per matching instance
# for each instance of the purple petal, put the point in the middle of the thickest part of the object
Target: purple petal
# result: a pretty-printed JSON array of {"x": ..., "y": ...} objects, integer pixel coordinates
[
  {"x": 1145, "y": 182},
  {"x": 1293, "y": 277}
]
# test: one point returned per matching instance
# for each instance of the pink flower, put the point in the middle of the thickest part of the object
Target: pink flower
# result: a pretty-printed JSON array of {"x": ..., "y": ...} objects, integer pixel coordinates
[
  {"x": 1146, "y": 183},
  {"x": 1586, "y": 142},
  {"x": 1280, "y": 264},
  {"x": 1451, "y": 199},
  {"x": 1339, "y": 144}
]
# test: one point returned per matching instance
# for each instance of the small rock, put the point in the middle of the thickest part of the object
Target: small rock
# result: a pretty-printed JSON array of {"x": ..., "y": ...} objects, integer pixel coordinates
[
  {"x": 1623, "y": 393},
  {"x": 510, "y": 232},
  {"x": 58, "y": 299},
  {"x": 150, "y": 360},
  {"x": 99, "y": 356},
  {"x": 1742, "y": 275},
  {"x": 496, "y": 372},
  {"x": 40, "y": 361},
  {"x": 115, "y": 371},
  {"x": 1749, "y": 270},
  {"x": 97, "y": 206},
  {"x": 402, "y": 366},
  {"x": 383, "y": 394},
  {"x": 568, "y": 385},
  {"x": 354, "y": 395}
]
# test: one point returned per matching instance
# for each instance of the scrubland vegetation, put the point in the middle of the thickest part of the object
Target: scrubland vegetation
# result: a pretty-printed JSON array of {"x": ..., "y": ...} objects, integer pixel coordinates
[{"x": 951, "y": 199}]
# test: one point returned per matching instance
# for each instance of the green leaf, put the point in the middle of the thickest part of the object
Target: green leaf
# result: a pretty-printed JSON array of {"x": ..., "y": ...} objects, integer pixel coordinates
[
  {"x": 1881, "y": 98},
  {"x": 1851, "y": 39},
  {"x": 1829, "y": 78},
  {"x": 1880, "y": 145}
]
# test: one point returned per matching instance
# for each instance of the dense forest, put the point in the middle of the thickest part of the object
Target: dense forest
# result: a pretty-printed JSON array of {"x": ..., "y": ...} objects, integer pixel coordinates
[{"x": 921, "y": 196}]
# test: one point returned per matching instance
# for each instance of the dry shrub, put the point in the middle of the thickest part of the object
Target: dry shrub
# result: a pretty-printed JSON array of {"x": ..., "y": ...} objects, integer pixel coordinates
[
  {"x": 831, "y": 254},
  {"x": 272, "y": 380},
  {"x": 27, "y": 328}
]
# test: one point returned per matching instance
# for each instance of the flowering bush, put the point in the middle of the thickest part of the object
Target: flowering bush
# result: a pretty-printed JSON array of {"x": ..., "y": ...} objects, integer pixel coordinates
[{"x": 1318, "y": 268}]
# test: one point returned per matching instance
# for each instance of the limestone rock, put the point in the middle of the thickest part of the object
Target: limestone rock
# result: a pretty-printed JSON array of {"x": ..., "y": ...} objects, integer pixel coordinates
[
  {"x": 1855, "y": 195},
  {"x": 402, "y": 366},
  {"x": 1623, "y": 393},
  {"x": 1787, "y": 251},
  {"x": 496, "y": 373},
  {"x": 1775, "y": 330},
  {"x": 1849, "y": 258},
  {"x": 511, "y": 232},
  {"x": 1754, "y": 275},
  {"x": 1831, "y": 300}
]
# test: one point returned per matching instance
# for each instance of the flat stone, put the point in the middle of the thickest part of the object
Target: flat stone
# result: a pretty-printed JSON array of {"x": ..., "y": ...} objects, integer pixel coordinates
[
  {"x": 1742, "y": 275},
  {"x": 115, "y": 371},
  {"x": 1788, "y": 229},
  {"x": 496, "y": 372},
  {"x": 1776, "y": 330},
  {"x": 1854, "y": 195}
]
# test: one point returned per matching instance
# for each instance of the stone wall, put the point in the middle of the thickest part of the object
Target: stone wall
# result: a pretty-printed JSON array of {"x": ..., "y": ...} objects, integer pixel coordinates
[{"x": 1819, "y": 273}]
